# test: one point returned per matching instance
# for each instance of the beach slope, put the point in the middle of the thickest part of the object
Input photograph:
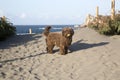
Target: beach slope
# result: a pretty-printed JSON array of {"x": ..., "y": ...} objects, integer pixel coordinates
[{"x": 91, "y": 57}]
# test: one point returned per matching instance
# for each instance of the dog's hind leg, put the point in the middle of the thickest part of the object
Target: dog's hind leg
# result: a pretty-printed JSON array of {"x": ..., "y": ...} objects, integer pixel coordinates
[{"x": 50, "y": 49}]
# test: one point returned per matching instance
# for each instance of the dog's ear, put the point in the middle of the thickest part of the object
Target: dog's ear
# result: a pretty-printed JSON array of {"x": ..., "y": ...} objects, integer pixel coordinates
[
  {"x": 72, "y": 31},
  {"x": 63, "y": 31}
]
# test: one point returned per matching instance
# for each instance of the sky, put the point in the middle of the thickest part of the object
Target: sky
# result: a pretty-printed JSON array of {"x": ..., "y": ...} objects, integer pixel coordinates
[{"x": 52, "y": 12}]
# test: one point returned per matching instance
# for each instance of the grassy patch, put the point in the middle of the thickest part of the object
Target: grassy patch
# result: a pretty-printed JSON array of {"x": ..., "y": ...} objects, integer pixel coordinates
[
  {"x": 104, "y": 25},
  {"x": 6, "y": 28}
]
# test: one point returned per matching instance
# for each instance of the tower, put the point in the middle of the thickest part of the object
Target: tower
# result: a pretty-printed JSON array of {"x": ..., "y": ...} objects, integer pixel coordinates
[
  {"x": 97, "y": 11},
  {"x": 113, "y": 9}
]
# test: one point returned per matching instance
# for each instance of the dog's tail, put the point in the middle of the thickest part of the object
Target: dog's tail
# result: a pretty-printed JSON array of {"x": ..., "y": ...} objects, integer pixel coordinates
[{"x": 47, "y": 30}]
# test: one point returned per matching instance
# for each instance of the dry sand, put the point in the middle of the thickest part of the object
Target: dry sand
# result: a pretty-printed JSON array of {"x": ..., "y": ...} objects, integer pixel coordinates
[{"x": 91, "y": 57}]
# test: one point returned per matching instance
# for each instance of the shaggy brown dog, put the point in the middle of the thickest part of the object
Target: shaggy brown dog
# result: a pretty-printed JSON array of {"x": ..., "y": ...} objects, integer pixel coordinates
[{"x": 56, "y": 39}]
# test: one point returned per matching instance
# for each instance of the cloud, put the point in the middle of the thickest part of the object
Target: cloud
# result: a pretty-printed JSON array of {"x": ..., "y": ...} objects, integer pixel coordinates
[
  {"x": 47, "y": 17},
  {"x": 57, "y": 17},
  {"x": 23, "y": 16},
  {"x": 73, "y": 17},
  {"x": 44, "y": 17},
  {"x": 78, "y": 16}
]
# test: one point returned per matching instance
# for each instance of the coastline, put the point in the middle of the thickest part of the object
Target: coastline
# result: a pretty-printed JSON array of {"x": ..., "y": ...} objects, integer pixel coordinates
[
  {"x": 37, "y": 29},
  {"x": 93, "y": 57}
]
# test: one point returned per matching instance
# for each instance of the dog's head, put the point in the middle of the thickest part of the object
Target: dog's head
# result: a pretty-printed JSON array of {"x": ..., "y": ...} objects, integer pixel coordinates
[{"x": 67, "y": 32}]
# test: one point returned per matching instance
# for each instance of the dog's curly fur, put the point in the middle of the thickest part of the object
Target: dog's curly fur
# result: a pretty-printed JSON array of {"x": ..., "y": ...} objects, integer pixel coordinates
[{"x": 56, "y": 39}]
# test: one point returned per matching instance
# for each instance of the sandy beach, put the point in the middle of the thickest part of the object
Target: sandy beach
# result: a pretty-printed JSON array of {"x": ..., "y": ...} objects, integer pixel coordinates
[{"x": 91, "y": 57}]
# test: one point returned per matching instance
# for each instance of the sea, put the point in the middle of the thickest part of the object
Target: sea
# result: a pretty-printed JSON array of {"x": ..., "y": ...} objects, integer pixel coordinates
[{"x": 38, "y": 29}]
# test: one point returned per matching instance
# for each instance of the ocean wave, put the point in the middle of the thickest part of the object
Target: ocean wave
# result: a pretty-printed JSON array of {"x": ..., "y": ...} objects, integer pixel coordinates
[
  {"x": 52, "y": 28},
  {"x": 24, "y": 33},
  {"x": 41, "y": 28}
]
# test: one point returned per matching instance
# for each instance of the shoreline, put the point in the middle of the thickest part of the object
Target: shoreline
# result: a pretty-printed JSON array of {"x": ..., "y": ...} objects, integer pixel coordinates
[{"x": 93, "y": 57}]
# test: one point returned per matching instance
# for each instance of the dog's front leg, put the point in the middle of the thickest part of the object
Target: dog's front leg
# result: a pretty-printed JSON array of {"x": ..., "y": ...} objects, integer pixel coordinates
[
  {"x": 66, "y": 50},
  {"x": 63, "y": 50}
]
